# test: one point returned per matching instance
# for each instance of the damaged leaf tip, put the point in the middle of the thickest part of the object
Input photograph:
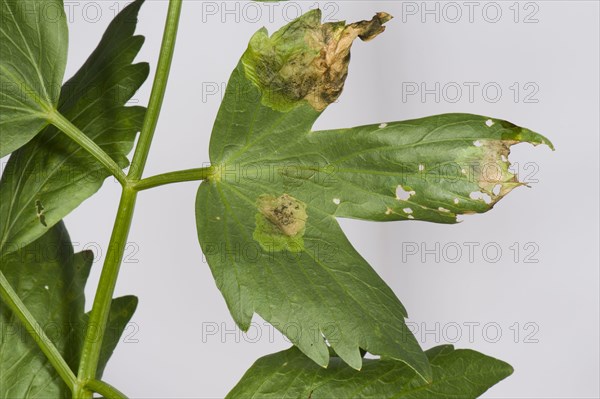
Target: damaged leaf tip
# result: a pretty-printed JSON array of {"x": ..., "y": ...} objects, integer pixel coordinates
[
  {"x": 370, "y": 29},
  {"x": 306, "y": 60}
]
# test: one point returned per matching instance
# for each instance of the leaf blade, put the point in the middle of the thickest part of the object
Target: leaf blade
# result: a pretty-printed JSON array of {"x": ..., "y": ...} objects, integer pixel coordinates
[
  {"x": 54, "y": 170},
  {"x": 308, "y": 287},
  {"x": 289, "y": 374},
  {"x": 290, "y": 284},
  {"x": 33, "y": 56},
  {"x": 50, "y": 279}
]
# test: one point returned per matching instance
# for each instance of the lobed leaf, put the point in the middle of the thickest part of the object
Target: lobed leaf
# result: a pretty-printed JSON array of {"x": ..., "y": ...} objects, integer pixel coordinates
[
  {"x": 457, "y": 373},
  {"x": 50, "y": 176},
  {"x": 297, "y": 270},
  {"x": 266, "y": 216},
  {"x": 33, "y": 57},
  {"x": 50, "y": 279}
]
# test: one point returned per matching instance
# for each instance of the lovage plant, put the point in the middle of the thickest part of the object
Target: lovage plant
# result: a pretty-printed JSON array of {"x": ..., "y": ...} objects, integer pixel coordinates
[{"x": 64, "y": 140}]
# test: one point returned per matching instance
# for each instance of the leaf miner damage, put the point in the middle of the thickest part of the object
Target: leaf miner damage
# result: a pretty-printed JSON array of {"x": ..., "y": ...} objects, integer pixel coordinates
[
  {"x": 280, "y": 223},
  {"x": 306, "y": 60}
]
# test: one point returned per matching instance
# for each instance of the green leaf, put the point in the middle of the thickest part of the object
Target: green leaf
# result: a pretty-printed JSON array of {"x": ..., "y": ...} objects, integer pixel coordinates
[
  {"x": 121, "y": 311},
  {"x": 50, "y": 279},
  {"x": 33, "y": 56},
  {"x": 266, "y": 216},
  {"x": 299, "y": 273},
  {"x": 457, "y": 373},
  {"x": 50, "y": 176}
]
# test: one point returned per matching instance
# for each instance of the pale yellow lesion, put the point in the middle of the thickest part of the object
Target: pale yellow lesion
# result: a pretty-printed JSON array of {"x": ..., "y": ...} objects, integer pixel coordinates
[
  {"x": 494, "y": 176},
  {"x": 285, "y": 212},
  {"x": 280, "y": 223}
]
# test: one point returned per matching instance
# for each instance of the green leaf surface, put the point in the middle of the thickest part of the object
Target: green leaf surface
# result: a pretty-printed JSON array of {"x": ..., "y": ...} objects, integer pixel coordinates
[
  {"x": 52, "y": 175},
  {"x": 50, "y": 279},
  {"x": 266, "y": 217},
  {"x": 33, "y": 56},
  {"x": 457, "y": 373}
]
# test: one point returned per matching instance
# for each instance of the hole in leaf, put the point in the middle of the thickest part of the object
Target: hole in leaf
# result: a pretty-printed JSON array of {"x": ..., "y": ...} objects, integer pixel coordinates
[
  {"x": 402, "y": 194},
  {"x": 496, "y": 189},
  {"x": 478, "y": 195}
]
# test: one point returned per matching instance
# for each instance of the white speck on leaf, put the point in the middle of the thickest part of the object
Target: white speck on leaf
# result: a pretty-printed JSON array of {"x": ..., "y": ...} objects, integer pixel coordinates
[
  {"x": 456, "y": 200},
  {"x": 407, "y": 210},
  {"x": 489, "y": 123},
  {"x": 336, "y": 201},
  {"x": 46, "y": 287},
  {"x": 477, "y": 143},
  {"x": 443, "y": 209},
  {"x": 421, "y": 167},
  {"x": 411, "y": 217},
  {"x": 383, "y": 125}
]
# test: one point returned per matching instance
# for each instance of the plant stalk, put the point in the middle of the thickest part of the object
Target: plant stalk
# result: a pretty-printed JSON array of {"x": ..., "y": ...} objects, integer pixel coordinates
[
  {"x": 100, "y": 310},
  {"x": 10, "y": 297},
  {"x": 173, "y": 177},
  {"x": 158, "y": 90},
  {"x": 106, "y": 287}
]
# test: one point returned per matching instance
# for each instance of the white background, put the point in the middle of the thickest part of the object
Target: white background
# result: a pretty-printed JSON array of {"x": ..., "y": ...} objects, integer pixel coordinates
[{"x": 168, "y": 352}]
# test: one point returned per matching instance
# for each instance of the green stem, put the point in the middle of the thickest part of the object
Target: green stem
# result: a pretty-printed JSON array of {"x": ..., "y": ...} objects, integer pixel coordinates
[
  {"x": 158, "y": 90},
  {"x": 100, "y": 310},
  {"x": 65, "y": 125},
  {"x": 104, "y": 389},
  {"x": 106, "y": 286},
  {"x": 173, "y": 177},
  {"x": 10, "y": 297}
]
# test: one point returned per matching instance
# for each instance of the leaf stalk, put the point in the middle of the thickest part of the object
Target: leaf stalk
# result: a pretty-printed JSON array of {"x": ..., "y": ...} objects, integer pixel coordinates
[
  {"x": 104, "y": 389},
  {"x": 68, "y": 128},
  {"x": 173, "y": 177},
  {"x": 10, "y": 298}
]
